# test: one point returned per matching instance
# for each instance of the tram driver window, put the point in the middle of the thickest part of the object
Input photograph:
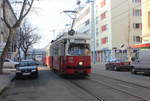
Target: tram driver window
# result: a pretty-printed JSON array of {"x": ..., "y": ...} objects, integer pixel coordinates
[{"x": 79, "y": 49}]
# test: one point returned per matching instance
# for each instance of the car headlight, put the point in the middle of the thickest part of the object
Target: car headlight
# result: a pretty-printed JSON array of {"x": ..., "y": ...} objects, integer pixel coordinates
[
  {"x": 80, "y": 63},
  {"x": 18, "y": 70}
]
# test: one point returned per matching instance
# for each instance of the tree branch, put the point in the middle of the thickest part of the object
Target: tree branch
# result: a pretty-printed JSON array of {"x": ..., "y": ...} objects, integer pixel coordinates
[{"x": 4, "y": 14}]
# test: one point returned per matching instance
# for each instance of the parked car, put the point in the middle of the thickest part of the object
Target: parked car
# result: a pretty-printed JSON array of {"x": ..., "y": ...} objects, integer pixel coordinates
[
  {"x": 27, "y": 68},
  {"x": 8, "y": 63},
  {"x": 116, "y": 64},
  {"x": 141, "y": 62}
]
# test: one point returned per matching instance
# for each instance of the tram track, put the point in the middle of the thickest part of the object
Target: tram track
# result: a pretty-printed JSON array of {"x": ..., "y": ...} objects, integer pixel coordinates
[
  {"x": 80, "y": 83},
  {"x": 110, "y": 82},
  {"x": 122, "y": 81},
  {"x": 109, "y": 86},
  {"x": 72, "y": 81},
  {"x": 87, "y": 91},
  {"x": 120, "y": 90}
]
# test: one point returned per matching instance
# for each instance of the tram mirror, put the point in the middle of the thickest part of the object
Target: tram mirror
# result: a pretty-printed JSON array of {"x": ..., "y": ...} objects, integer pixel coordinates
[
  {"x": 133, "y": 59},
  {"x": 65, "y": 41},
  {"x": 52, "y": 41}
]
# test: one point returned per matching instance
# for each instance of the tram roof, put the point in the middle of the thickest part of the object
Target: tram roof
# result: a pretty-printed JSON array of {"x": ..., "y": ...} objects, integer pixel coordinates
[{"x": 65, "y": 36}]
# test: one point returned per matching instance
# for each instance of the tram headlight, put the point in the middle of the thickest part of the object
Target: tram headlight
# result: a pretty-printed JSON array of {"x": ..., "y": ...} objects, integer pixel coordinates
[{"x": 80, "y": 63}]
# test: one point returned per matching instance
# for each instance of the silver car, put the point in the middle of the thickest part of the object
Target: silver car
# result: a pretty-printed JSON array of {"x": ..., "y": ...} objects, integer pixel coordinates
[
  {"x": 141, "y": 62},
  {"x": 8, "y": 63}
]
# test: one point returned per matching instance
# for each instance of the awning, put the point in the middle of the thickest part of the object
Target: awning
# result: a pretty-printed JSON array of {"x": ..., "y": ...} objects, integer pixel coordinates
[{"x": 141, "y": 45}]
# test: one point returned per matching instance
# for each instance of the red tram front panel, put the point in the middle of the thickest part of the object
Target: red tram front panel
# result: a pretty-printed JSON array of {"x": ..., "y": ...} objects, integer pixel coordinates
[
  {"x": 78, "y": 64},
  {"x": 72, "y": 64}
]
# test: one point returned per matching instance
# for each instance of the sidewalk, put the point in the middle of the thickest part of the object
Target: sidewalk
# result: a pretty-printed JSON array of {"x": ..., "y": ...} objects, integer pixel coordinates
[
  {"x": 124, "y": 76},
  {"x": 5, "y": 79}
]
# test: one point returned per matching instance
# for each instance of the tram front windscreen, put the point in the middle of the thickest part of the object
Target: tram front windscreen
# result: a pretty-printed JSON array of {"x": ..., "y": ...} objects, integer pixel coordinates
[{"x": 79, "y": 49}]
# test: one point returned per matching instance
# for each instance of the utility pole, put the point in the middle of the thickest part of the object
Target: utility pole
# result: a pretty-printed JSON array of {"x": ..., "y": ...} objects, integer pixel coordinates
[
  {"x": 93, "y": 35},
  {"x": 129, "y": 32}
]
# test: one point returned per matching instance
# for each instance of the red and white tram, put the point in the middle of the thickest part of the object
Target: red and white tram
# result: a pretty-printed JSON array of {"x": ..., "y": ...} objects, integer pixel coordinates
[
  {"x": 70, "y": 54},
  {"x": 47, "y": 59}
]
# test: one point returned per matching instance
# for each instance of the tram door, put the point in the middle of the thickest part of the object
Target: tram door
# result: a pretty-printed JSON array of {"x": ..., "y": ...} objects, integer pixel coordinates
[{"x": 61, "y": 56}]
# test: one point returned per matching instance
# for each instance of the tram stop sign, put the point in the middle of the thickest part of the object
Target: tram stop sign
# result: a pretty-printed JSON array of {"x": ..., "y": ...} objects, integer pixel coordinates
[{"x": 71, "y": 32}]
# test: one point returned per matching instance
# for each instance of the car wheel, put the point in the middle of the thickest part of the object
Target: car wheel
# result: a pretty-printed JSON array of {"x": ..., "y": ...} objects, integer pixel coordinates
[
  {"x": 18, "y": 75},
  {"x": 36, "y": 75},
  {"x": 115, "y": 68},
  {"x": 15, "y": 66},
  {"x": 133, "y": 71},
  {"x": 111, "y": 68},
  {"x": 107, "y": 68}
]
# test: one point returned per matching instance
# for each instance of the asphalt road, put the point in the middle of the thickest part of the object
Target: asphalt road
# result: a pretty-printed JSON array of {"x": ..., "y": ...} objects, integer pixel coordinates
[
  {"x": 51, "y": 87},
  {"x": 48, "y": 87}
]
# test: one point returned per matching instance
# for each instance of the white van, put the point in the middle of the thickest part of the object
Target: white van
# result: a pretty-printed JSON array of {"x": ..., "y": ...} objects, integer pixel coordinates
[{"x": 141, "y": 62}]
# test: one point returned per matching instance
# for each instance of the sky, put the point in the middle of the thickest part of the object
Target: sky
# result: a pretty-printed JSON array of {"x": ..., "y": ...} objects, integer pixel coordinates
[{"x": 47, "y": 16}]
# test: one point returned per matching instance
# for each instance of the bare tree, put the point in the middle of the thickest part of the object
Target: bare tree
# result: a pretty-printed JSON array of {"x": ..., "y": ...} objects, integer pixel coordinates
[
  {"x": 19, "y": 42},
  {"x": 28, "y": 37},
  {"x": 25, "y": 7}
]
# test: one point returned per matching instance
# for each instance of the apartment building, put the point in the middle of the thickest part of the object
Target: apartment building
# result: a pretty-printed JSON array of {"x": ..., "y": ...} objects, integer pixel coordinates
[
  {"x": 82, "y": 23},
  {"x": 118, "y": 26},
  {"x": 3, "y": 28},
  {"x": 146, "y": 21}
]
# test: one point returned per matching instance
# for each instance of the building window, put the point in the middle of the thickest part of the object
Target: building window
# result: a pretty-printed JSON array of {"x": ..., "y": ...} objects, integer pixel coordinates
[
  {"x": 97, "y": 43},
  {"x": 103, "y": 28},
  {"x": 137, "y": 12},
  {"x": 149, "y": 19},
  {"x": 103, "y": 15},
  {"x": 104, "y": 40},
  {"x": 103, "y": 3},
  {"x": 87, "y": 22},
  {"x": 136, "y": 1},
  {"x": 137, "y": 39},
  {"x": 96, "y": 21},
  {"x": 97, "y": 31},
  {"x": 137, "y": 25}
]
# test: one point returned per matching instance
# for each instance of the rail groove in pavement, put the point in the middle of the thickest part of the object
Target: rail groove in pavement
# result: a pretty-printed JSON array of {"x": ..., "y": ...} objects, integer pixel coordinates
[
  {"x": 87, "y": 91},
  {"x": 121, "y": 90},
  {"x": 121, "y": 80}
]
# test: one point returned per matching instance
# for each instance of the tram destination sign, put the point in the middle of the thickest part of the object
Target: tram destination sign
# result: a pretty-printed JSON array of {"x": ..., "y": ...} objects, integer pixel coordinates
[{"x": 78, "y": 40}]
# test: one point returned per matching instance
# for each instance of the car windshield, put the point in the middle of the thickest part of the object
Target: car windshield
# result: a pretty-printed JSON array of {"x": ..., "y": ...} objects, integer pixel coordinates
[
  {"x": 27, "y": 63},
  {"x": 79, "y": 49},
  {"x": 113, "y": 60},
  {"x": 118, "y": 60}
]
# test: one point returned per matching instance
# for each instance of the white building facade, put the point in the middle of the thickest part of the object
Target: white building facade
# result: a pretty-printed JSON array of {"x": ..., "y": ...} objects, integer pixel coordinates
[
  {"x": 146, "y": 21},
  {"x": 82, "y": 23},
  {"x": 118, "y": 27}
]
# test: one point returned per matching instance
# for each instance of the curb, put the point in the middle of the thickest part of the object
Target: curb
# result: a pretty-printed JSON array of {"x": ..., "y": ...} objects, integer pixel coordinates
[{"x": 8, "y": 84}]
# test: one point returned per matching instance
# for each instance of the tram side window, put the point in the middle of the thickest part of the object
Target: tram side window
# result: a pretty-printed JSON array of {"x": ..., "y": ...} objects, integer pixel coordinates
[
  {"x": 61, "y": 50},
  {"x": 56, "y": 51}
]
